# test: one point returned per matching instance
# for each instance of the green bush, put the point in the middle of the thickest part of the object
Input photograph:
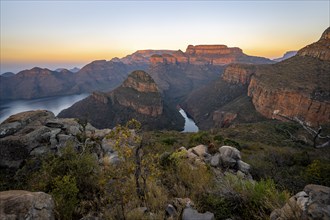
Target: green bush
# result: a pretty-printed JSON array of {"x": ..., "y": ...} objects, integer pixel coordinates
[
  {"x": 259, "y": 198},
  {"x": 201, "y": 137},
  {"x": 318, "y": 173},
  {"x": 169, "y": 141},
  {"x": 76, "y": 169},
  {"x": 232, "y": 143},
  {"x": 65, "y": 192}
]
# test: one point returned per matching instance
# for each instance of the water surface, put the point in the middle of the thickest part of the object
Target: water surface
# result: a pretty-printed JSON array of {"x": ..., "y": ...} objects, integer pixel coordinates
[
  {"x": 189, "y": 125},
  {"x": 53, "y": 104}
]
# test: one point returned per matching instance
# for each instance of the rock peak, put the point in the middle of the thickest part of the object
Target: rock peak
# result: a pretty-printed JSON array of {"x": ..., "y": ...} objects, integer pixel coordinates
[
  {"x": 141, "y": 81},
  {"x": 326, "y": 34}
]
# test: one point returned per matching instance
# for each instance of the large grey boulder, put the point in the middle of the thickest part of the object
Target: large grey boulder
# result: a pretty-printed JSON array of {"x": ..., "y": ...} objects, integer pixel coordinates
[
  {"x": 231, "y": 152},
  {"x": 313, "y": 203},
  {"x": 192, "y": 214},
  {"x": 19, "y": 204}
]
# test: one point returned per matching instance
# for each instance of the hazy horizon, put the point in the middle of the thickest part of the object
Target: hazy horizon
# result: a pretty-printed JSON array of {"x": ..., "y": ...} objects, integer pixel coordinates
[{"x": 67, "y": 34}]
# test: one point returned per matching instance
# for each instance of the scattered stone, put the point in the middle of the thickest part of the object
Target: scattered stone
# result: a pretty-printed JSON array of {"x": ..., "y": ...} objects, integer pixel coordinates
[{"x": 19, "y": 204}]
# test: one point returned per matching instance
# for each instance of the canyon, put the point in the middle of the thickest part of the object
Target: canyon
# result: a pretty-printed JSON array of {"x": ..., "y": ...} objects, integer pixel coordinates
[
  {"x": 297, "y": 87},
  {"x": 137, "y": 98}
]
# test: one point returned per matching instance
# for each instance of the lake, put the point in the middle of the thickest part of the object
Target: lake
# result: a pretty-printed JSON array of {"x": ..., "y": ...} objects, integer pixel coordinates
[
  {"x": 189, "y": 125},
  {"x": 53, "y": 104}
]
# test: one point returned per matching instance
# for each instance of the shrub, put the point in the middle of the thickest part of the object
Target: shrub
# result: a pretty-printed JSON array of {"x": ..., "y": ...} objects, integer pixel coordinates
[
  {"x": 258, "y": 198},
  {"x": 201, "y": 137},
  {"x": 232, "y": 143},
  {"x": 65, "y": 193},
  {"x": 73, "y": 168},
  {"x": 169, "y": 141}
]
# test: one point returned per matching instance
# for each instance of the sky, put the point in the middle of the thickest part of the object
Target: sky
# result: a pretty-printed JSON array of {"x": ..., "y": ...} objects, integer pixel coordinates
[{"x": 53, "y": 34}]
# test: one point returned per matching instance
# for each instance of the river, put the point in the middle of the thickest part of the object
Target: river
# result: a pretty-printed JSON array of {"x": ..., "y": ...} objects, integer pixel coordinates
[
  {"x": 189, "y": 125},
  {"x": 53, "y": 104}
]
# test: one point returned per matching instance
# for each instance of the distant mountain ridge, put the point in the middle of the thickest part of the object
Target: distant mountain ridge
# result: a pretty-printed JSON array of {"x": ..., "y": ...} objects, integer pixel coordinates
[
  {"x": 198, "y": 55},
  {"x": 38, "y": 82},
  {"x": 287, "y": 55},
  {"x": 102, "y": 75}
]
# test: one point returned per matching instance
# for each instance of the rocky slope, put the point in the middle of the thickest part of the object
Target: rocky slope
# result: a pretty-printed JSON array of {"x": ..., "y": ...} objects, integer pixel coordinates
[
  {"x": 296, "y": 87},
  {"x": 138, "y": 97},
  {"x": 319, "y": 49}
]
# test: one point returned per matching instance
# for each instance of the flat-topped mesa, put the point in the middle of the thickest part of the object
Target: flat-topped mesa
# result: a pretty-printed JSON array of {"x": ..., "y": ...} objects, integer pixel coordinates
[
  {"x": 210, "y": 50},
  {"x": 319, "y": 49},
  {"x": 140, "y": 81}
]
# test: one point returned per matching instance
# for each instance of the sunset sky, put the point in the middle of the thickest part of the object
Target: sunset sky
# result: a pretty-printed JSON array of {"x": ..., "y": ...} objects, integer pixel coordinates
[{"x": 73, "y": 33}]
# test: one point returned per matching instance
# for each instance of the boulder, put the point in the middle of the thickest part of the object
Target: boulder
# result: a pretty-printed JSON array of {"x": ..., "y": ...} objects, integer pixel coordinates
[
  {"x": 19, "y": 204},
  {"x": 311, "y": 203},
  {"x": 215, "y": 160},
  {"x": 171, "y": 211},
  {"x": 244, "y": 167},
  {"x": 231, "y": 152},
  {"x": 200, "y": 150},
  {"x": 192, "y": 214}
]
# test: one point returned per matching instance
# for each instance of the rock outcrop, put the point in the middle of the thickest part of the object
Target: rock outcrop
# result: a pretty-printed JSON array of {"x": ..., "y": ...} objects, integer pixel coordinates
[
  {"x": 34, "y": 133},
  {"x": 311, "y": 203},
  {"x": 138, "y": 97},
  {"x": 19, "y": 204},
  {"x": 226, "y": 158}
]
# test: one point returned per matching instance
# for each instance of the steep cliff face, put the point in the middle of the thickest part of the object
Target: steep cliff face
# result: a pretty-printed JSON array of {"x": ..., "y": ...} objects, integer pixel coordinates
[
  {"x": 297, "y": 87},
  {"x": 319, "y": 49},
  {"x": 279, "y": 102},
  {"x": 138, "y": 97},
  {"x": 238, "y": 73}
]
